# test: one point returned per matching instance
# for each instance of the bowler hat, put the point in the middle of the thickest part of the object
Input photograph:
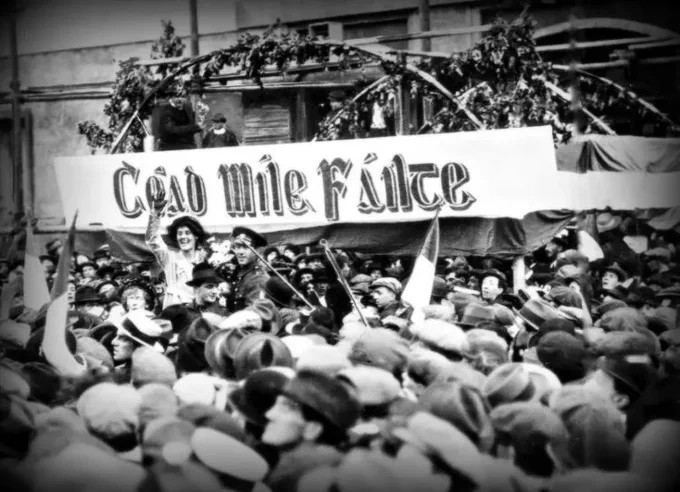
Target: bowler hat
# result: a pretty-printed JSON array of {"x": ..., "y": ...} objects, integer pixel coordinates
[
  {"x": 258, "y": 394},
  {"x": 203, "y": 273},
  {"x": 219, "y": 118},
  {"x": 87, "y": 294},
  {"x": 248, "y": 236},
  {"x": 327, "y": 396},
  {"x": 278, "y": 291}
]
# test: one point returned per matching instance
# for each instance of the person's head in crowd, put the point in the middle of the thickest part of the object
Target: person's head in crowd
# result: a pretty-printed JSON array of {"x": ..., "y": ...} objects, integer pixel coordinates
[
  {"x": 71, "y": 288},
  {"x": 49, "y": 264},
  {"x": 315, "y": 262},
  {"x": 555, "y": 246},
  {"x": 312, "y": 407},
  {"x": 205, "y": 283},
  {"x": 137, "y": 294},
  {"x": 135, "y": 330},
  {"x": 612, "y": 276},
  {"x": 242, "y": 239},
  {"x": 88, "y": 271},
  {"x": 290, "y": 251},
  {"x": 186, "y": 234},
  {"x": 622, "y": 378},
  {"x": 271, "y": 253},
  {"x": 86, "y": 300},
  {"x": 385, "y": 291},
  {"x": 336, "y": 99},
  {"x": 493, "y": 283},
  {"x": 102, "y": 256},
  {"x": 456, "y": 277}
]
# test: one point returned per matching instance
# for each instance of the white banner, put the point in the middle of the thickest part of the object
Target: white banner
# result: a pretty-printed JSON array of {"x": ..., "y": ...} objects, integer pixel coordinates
[{"x": 500, "y": 173}]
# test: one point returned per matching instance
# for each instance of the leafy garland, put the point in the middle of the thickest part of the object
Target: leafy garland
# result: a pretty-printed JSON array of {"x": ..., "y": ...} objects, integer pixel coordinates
[
  {"x": 504, "y": 81},
  {"x": 132, "y": 84}
]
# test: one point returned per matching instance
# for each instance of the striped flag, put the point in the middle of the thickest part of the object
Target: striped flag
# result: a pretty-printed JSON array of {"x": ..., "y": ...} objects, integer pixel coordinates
[
  {"x": 418, "y": 290},
  {"x": 36, "y": 293},
  {"x": 54, "y": 345}
]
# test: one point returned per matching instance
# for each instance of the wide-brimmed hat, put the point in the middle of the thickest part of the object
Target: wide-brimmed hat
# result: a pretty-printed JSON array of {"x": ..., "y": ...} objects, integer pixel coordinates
[
  {"x": 328, "y": 396},
  {"x": 142, "y": 329},
  {"x": 248, "y": 236},
  {"x": 617, "y": 270},
  {"x": 192, "y": 224},
  {"x": 220, "y": 348},
  {"x": 258, "y": 351},
  {"x": 476, "y": 313},
  {"x": 606, "y": 221},
  {"x": 203, "y": 273},
  {"x": 536, "y": 311},
  {"x": 258, "y": 394},
  {"x": 140, "y": 283}
]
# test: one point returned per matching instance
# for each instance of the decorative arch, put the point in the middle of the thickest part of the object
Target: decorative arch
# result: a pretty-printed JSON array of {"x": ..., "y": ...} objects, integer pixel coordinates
[{"x": 607, "y": 23}]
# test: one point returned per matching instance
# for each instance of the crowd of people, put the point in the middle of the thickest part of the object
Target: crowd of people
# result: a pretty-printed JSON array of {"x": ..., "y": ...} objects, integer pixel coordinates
[{"x": 207, "y": 377}]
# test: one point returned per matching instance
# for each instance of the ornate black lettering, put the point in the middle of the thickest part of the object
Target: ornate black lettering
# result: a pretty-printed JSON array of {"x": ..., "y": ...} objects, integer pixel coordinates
[
  {"x": 419, "y": 172},
  {"x": 126, "y": 171},
  {"x": 453, "y": 176},
  {"x": 369, "y": 202},
  {"x": 237, "y": 181},
  {"x": 333, "y": 188}
]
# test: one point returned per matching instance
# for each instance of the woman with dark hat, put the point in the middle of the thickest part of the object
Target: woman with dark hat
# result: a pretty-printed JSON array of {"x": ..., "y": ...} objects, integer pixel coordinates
[
  {"x": 136, "y": 293},
  {"x": 186, "y": 237}
]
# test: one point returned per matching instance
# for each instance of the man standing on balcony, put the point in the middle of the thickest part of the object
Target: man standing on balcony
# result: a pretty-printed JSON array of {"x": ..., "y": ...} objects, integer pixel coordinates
[
  {"x": 176, "y": 126},
  {"x": 219, "y": 135}
]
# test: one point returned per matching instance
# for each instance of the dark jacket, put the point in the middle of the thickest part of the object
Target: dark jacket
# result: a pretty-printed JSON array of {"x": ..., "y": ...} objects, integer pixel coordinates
[
  {"x": 248, "y": 284},
  {"x": 176, "y": 129},
  {"x": 212, "y": 140}
]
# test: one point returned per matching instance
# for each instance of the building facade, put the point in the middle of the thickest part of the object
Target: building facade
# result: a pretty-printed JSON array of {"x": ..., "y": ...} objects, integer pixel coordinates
[{"x": 68, "y": 54}]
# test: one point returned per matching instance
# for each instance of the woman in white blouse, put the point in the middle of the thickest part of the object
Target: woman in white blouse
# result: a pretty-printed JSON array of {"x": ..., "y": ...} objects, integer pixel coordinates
[{"x": 184, "y": 249}]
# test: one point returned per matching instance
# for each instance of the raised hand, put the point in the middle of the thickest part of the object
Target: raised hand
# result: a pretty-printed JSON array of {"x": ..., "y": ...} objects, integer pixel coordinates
[{"x": 159, "y": 202}]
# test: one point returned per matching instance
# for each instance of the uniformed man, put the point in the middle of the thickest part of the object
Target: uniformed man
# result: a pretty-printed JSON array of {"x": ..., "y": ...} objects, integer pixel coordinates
[
  {"x": 250, "y": 277},
  {"x": 386, "y": 293}
]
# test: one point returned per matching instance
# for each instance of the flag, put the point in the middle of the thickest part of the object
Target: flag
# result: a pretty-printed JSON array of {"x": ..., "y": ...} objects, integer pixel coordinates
[
  {"x": 36, "y": 293},
  {"x": 418, "y": 290},
  {"x": 54, "y": 346}
]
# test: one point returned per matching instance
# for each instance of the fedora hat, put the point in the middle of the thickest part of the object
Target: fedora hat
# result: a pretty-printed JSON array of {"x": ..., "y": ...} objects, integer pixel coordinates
[
  {"x": 536, "y": 311},
  {"x": 203, "y": 273},
  {"x": 476, "y": 313},
  {"x": 142, "y": 329},
  {"x": 258, "y": 394},
  {"x": 248, "y": 236},
  {"x": 606, "y": 221},
  {"x": 258, "y": 351},
  {"x": 220, "y": 348}
]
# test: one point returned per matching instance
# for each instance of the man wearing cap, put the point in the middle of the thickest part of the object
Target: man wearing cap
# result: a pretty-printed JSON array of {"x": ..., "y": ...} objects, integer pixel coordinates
[
  {"x": 219, "y": 135},
  {"x": 135, "y": 330},
  {"x": 206, "y": 285},
  {"x": 386, "y": 293},
  {"x": 250, "y": 277}
]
